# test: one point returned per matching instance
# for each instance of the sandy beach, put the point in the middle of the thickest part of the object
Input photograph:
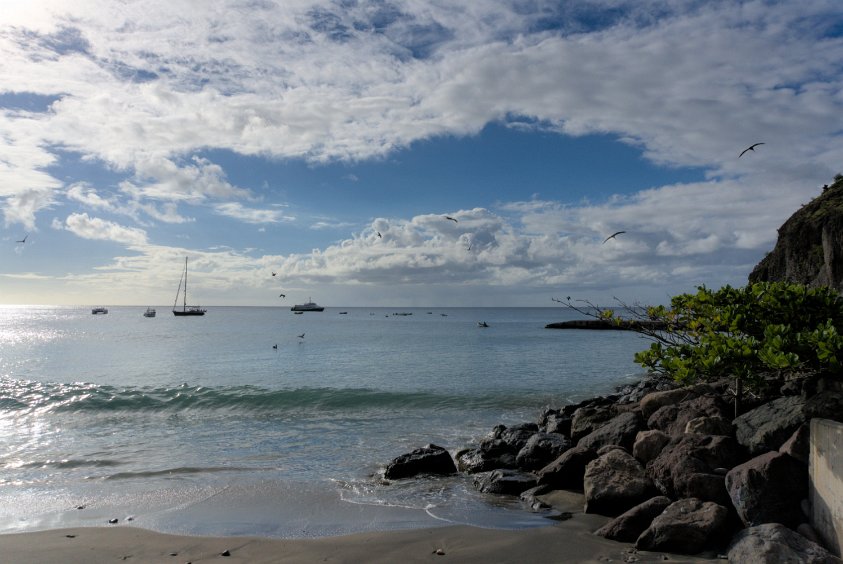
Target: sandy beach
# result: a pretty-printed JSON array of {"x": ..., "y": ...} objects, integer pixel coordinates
[{"x": 564, "y": 541}]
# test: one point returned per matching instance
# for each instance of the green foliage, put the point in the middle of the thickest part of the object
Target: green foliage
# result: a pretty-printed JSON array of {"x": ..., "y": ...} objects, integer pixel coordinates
[{"x": 743, "y": 332}]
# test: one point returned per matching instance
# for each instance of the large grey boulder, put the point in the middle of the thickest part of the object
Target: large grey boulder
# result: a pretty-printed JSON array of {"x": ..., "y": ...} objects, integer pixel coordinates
[
  {"x": 686, "y": 467},
  {"x": 769, "y": 489},
  {"x": 672, "y": 419},
  {"x": 614, "y": 483},
  {"x": 540, "y": 449},
  {"x": 587, "y": 419},
  {"x": 515, "y": 436},
  {"x": 628, "y": 526},
  {"x": 430, "y": 459},
  {"x": 489, "y": 455},
  {"x": 768, "y": 426},
  {"x": 621, "y": 430},
  {"x": 504, "y": 482},
  {"x": 653, "y": 401},
  {"x": 685, "y": 527},
  {"x": 649, "y": 444},
  {"x": 799, "y": 444},
  {"x": 710, "y": 425},
  {"x": 773, "y": 543},
  {"x": 567, "y": 471}
]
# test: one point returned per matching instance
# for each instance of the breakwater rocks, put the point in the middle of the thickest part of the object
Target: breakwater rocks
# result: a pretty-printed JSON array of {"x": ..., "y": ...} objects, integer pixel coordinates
[
  {"x": 672, "y": 466},
  {"x": 606, "y": 324}
]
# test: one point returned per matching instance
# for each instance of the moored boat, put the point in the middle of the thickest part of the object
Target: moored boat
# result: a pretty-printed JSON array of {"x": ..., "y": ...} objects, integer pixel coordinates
[
  {"x": 150, "y": 312},
  {"x": 99, "y": 310},
  {"x": 185, "y": 309},
  {"x": 310, "y": 305}
]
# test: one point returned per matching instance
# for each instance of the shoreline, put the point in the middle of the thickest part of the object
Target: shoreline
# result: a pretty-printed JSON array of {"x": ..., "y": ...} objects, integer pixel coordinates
[{"x": 569, "y": 541}]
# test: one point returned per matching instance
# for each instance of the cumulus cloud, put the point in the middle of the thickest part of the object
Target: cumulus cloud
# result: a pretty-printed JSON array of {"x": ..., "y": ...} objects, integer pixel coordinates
[
  {"x": 81, "y": 225},
  {"x": 250, "y": 215}
]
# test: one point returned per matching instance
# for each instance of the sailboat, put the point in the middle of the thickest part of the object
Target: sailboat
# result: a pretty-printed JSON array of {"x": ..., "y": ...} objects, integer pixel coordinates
[{"x": 185, "y": 309}]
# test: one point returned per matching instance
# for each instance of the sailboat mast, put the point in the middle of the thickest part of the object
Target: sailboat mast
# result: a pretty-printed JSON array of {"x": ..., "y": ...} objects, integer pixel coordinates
[{"x": 185, "y": 284}]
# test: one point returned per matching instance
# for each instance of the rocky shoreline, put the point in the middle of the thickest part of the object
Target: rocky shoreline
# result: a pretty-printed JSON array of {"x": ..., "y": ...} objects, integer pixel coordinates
[{"x": 672, "y": 466}]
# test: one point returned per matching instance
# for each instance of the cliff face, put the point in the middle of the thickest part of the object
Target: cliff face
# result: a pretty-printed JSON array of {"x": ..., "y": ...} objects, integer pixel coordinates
[{"x": 809, "y": 249}]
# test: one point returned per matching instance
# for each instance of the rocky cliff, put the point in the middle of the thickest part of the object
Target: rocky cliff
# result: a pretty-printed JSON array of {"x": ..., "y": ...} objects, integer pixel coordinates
[{"x": 809, "y": 249}]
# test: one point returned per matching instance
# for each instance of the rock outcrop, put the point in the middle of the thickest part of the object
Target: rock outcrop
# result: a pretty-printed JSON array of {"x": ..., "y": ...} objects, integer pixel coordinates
[{"x": 809, "y": 249}]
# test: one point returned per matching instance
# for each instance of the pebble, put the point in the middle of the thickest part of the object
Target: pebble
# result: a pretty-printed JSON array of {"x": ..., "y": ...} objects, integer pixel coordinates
[
  {"x": 225, "y": 552},
  {"x": 112, "y": 521},
  {"x": 70, "y": 536},
  {"x": 439, "y": 551}
]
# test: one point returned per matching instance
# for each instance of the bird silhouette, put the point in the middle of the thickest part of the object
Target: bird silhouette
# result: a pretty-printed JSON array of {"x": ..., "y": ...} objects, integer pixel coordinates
[
  {"x": 750, "y": 148},
  {"x": 282, "y": 295},
  {"x": 24, "y": 239},
  {"x": 301, "y": 336},
  {"x": 273, "y": 273},
  {"x": 452, "y": 218},
  {"x": 274, "y": 346},
  {"x": 612, "y": 236},
  {"x": 379, "y": 234}
]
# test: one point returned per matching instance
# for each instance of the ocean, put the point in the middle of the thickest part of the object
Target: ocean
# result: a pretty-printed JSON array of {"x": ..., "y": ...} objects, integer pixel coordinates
[{"x": 235, "y": 424}]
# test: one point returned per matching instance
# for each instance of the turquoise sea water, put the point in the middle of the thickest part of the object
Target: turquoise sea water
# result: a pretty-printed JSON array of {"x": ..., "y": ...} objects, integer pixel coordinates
[{"x": 198, "y": 425}]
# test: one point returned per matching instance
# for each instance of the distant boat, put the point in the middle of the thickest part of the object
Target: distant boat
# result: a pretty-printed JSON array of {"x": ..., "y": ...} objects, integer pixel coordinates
[
  {"x": 310, "y": 305},
  {"x": 98, "y": 310},
  {"x": 185, "y": 309},
  {"x": 150, "y": 312},
  {"x": 298, "y": 312},
  {"x": 343, "y": 313}
]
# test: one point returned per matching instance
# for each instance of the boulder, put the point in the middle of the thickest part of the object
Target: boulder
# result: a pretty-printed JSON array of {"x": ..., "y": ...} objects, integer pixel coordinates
[
  {"x": 672, "y": 419},
  {"x": 491, "y": 454},
  {"x": 799, "y": 444},
  {"x": 620, "y": 430},
  {"x": 652, "y": 402},
  {"x": 566, "y": 472},
  {"x": 774, "y": 543},
  {"x": 769, "y": 489},
  {"x": 648, "y": 445},
  {"x": 614, "y": 483},
  {"x": 430, "y": 459},
  {"x": 686, "y": 527},
  {"x": 628, "y": 526},
  {"x": 558, "y": 424},
  {"x": 825, "y": 405},
  {"x": 504, "y": 482},
  {"x": 687, "y": 467},
  {"x": 710, "y": 426},
  {"x": 517, "y": 435},
  {"x": 768, "y": 426},
  {"x": 541, "y": 449},
  {"x": 587, "y": 419}
]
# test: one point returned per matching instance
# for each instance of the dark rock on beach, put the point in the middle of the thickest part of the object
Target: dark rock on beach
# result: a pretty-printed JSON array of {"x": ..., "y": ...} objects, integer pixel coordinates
[
  {"x": 686, "y": 527},
  {"x": 567, "y": 471},
  {"x": 620, "y": 430},
  {"x": 686, "y": 467},
  {"x": 430, "y": 459},
  {"x": 491, "y": 454},
  {"x": 769, "y": 489},
  {"x": 628, "y": 526},
  {"x": 505, "y": 482},
  {"x": 774, "y": 543},
  {"x": 540, "y": 449},
  {"x": 768, "y": 426},
  {"x": 672, "y": 419},
  {"x": 614, "y": 483},
  {"x": 649, "y": 444},
  {"x": 587, "y": 419}
]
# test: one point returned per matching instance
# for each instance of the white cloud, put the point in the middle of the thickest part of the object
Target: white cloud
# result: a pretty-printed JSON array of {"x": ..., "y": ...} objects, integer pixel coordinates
[
  {"x": 250, "y": 215},
  {"x": 81, "y": 225}
]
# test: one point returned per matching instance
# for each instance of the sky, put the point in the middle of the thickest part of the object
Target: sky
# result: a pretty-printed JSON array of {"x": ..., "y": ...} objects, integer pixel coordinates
[{"x": 328, "y": 141}]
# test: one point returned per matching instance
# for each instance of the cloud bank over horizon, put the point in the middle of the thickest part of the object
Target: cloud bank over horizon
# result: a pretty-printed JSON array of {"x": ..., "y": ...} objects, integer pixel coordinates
[{"x": 139, "y": 128}]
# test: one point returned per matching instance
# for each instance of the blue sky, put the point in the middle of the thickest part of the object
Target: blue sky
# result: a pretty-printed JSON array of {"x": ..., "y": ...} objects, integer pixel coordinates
[{"x": 259, "y": 136}]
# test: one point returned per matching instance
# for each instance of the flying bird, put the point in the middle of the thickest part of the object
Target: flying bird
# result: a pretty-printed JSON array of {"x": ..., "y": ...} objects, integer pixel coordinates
[
  {"x": 301, "y": 336},
  {"x": 274, "y": 346},
  {"x": 379, "y": 234},
  {"x": 452, "y": 218},
  {"x": 750, "y": 148},
  {"x": 282, "y": 295},
  {"x": 24, "y": 239},
  {"x": 612, "y": 236},
  {"x": 273, "y": 273}
]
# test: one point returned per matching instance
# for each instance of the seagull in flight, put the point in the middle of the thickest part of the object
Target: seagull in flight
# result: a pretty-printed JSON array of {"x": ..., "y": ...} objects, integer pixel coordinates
[
  {"x": 750, "y": 148},
  {"x": 452, "y": 218},
  {"x": 273, "y": 273},
  {"x": 612, "y": 236},
  {"x": 24, "y": 239},
  {"x": 379, "y": 234},
  {"x": 301, "y": 336}
]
